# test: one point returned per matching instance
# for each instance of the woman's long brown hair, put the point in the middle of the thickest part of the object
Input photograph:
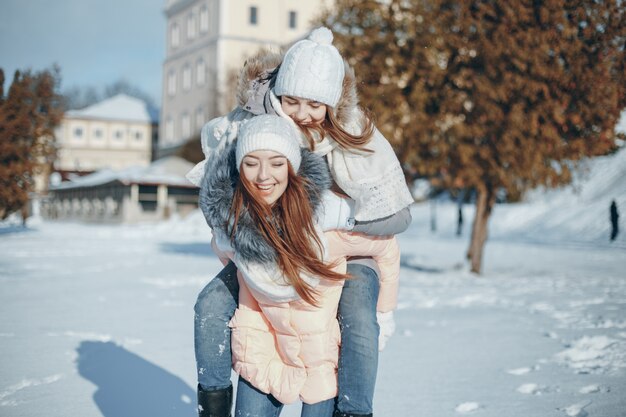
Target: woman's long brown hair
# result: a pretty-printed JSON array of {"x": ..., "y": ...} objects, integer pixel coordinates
[
  {"x": 331, "y": 126},
  {"x": 288, "y": 227}
]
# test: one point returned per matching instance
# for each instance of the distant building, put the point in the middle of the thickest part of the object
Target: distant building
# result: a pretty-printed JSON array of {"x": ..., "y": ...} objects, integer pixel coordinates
[
  {"x": 207, "y": 42},
  {"x": 115, "y": 133},
  {"x": 129, "y": 195}
]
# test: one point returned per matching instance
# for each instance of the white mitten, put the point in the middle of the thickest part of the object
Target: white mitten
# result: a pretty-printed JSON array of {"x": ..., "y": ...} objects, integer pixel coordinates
[
  {"x": 387, "y": 328},
  {"x": 335, "y": 212}
]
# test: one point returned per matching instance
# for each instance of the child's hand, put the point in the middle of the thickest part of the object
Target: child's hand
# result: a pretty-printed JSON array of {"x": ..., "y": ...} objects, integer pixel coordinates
[
  {"x": 335, "y": 213},
  {"x": 387, "y": 328}
]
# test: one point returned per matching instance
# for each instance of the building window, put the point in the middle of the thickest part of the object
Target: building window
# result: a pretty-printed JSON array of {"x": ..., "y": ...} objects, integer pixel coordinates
[
  {"x": 97, "y": 133},
  {"x": 199, "y": 118},
  {"x": 118, "y": 134},
  {"x": 293, "y": 20},
  {"x": 254, "y": 18},
  {"x": 174, "y": 36},
  {"x": 191, "y": 27},
  {"x": 148, "y": 197},
  {"x": 169, "y": 130},
  {"x": 78, "y": 132},
  {"x": 186, "y": 77},
  {"x": 200, "y": 72},
  {"x": 148, "y": 206},
  {"x": 185, "y": 126},
  {"x": 171, "y": 83},
  {"x": 204, "y": 19},
  {"x": 138, "y": 136}
]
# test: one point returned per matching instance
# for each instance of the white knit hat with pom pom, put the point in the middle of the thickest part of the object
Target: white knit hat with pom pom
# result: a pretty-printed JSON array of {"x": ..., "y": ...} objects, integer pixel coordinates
[
  {"x": 268, "y": 133},
  {"x": 312, "y": 69}
]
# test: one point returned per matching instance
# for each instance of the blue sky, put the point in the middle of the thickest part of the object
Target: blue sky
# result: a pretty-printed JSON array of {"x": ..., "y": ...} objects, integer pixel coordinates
[{"x": 95, "y": 42}]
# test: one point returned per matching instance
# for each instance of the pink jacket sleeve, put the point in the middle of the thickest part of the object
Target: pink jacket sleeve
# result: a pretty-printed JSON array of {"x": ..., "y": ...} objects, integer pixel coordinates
[{"x": 384, "y": 250}]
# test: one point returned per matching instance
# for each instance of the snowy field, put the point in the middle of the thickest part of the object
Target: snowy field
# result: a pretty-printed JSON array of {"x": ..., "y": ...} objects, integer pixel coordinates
[{"x": 98, "y": 320}]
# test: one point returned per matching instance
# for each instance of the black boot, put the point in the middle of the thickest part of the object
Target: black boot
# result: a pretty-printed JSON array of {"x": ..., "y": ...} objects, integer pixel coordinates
[
  {"x": 338, "y": 413},
  {"x": 215, "y": 403}
]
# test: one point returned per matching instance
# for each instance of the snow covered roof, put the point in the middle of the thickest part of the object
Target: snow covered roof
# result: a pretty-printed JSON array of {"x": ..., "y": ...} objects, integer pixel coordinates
[
  {"x": 167, "y": 171},
  {"x": 120, "y": 107}
]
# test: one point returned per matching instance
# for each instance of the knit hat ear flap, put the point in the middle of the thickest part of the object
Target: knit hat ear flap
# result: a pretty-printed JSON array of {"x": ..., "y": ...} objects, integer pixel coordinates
[
  {"x": 312, "y": 69},
  {"x": 268, "y": 133}
]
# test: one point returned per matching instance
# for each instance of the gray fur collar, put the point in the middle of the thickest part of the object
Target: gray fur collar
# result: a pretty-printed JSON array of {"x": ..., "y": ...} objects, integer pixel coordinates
[
  {"x": 263, "y": 63},
  {"x": 217, "y": 191}
]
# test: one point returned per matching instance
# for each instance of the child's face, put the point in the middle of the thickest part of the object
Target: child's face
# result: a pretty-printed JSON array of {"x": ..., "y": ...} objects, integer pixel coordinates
[
  {"x": 268, "y": 172},
  {"x": 303, "y": 111}
]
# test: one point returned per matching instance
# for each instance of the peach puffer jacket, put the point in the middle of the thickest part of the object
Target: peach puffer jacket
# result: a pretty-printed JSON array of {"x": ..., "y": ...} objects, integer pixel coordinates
[{"x": 291, "y": 349}]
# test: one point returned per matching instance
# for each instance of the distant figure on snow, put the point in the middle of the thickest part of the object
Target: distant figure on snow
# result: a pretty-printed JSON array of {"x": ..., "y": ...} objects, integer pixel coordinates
[
  {"x": 614, "y": 220},
  {"x": 459, "y": 220}
]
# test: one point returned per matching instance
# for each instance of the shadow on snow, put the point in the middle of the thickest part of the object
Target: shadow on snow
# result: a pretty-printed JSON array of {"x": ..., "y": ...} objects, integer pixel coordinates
[
  {"x": 130, "y": 386},
  {"x": 409, "y": 262},
  {"x": 198, "y": 249},
  {"x": 10, "y": 229}
]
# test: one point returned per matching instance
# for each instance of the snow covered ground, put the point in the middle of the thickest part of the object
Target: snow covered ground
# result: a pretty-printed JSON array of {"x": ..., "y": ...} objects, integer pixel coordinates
[{"x": 97, "y": 320}]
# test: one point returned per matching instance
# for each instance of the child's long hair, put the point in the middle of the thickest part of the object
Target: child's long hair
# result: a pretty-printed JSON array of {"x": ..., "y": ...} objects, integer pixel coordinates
[
  {"x": 288, "y": 227},
  {"x": 344, "y": 139}
]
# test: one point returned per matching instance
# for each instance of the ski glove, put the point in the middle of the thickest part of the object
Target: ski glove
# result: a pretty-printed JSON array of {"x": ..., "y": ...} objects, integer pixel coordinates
[
  {"x": 335, "y": 212},
  {"x": 387, "y": 328}
]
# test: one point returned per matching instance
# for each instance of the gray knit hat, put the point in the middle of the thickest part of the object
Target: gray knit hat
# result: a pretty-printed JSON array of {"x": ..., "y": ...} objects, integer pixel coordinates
[
  {"x": 312, "y": 69},
  {"x": 269, "y": 133}
]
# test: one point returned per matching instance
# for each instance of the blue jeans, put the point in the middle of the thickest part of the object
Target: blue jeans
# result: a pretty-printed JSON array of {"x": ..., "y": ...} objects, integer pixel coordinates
[
  {"x": 214, "y": 308},
  {"x": 358, "y": 357},
  {"x": 253, "y": 403}
]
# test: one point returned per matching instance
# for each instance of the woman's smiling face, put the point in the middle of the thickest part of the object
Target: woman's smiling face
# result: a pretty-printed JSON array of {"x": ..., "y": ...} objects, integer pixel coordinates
[
  {"x": 267, "y": 172},
  {"x": 303, "y": 111}
]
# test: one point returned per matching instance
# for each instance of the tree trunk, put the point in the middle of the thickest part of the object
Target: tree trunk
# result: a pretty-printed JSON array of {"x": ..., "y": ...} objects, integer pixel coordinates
[
  {"x": 485, "y": 200},
  {"x": 433, "y": 215},
  {"x": 25, "y": 213}
]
